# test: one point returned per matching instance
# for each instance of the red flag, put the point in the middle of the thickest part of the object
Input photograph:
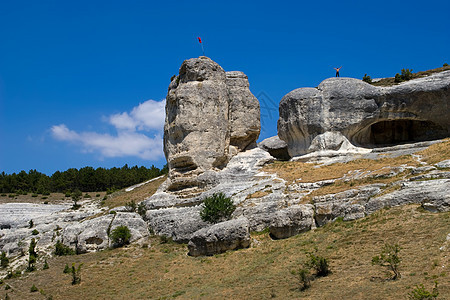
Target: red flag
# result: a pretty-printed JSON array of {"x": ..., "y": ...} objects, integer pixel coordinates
[{"x": 199, "y": 40}]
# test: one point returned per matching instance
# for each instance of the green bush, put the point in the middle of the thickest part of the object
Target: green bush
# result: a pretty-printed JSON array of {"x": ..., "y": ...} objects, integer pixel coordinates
[
  {"x": 319, "y": 264},
  {"x": 97, "y": 195},
  {"x": 66, "y": 269},
  {"x": 141, "y": 209},
  {"x": 87, "y": 195},
  {"x": 32, "y": 257},
  {"x": 405, "y": 75},
  {"x": 33, "y": 289},
  {"x": 367, "y": 79},
  {"x": 61, "y": 249},
  {"x": 305, "y": 279},
  {"x": 389, "y": 258},
  {"x": 445, "y": 65},
  {"x": 217, "y": 208},
  {"x": 420, "y": 293},
  {"x": 130, "y": 206},
  {"x": 4, "y": 260},
  {"x": 45, "y": 267},
  {"x": 120, "y": 236},
  {"x": 30, "y": 224},
  {"x": 76, "y": 276},
  {"x": 35, "y": 232}
]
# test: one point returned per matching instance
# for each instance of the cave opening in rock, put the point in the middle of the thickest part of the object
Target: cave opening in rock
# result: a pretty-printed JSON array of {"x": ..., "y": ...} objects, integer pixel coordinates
[{"x": 393, "y": 132}]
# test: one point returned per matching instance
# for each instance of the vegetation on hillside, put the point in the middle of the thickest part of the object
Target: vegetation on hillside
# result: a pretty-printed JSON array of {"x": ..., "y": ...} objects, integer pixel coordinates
[
  {"x": 86, "y": 179},
  {"x": 269, "y": 269},
  {"x": 404, "y": 75}
]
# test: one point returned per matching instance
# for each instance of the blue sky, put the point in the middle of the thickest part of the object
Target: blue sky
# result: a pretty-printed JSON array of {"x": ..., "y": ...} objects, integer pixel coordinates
[{"x": 82, "y": 82}]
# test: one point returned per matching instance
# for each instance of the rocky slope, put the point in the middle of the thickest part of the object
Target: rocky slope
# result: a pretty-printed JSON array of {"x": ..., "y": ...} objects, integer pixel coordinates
[{"x": 212, "y": 124}]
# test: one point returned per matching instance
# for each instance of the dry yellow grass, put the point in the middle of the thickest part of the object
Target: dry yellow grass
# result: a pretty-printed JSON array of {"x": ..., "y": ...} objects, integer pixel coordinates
[
  {"x": 306, "y": 172},
  {"x": 265, "y": 271},
  {"x": 436, "y": 152},
  {"x": 120, "y": 198}
]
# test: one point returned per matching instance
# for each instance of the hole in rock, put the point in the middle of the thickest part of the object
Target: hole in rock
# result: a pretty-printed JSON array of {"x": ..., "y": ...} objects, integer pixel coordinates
[{"x": 393, "y": 132}]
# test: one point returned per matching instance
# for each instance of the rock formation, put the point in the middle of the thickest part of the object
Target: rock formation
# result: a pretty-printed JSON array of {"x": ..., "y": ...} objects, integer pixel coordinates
[
  {"x": 344, "y": 113},
  {"x": 210, "y": 116}
]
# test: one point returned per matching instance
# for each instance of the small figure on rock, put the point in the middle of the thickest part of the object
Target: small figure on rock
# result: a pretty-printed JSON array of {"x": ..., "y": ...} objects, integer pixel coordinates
[{"x": 337, "y": 71}]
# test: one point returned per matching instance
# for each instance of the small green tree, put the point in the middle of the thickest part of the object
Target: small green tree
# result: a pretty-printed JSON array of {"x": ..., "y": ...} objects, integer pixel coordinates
[
  {"x": 66, "y": 269},
  {"x": 420, "y": 293},
  {"x": 390, "y": 259},
  {"x": 32, "y": 256},
  {"x": 4, "y": 260},
  {"x": 76, "y": 196},
  {"x": 33, "y": 289},
  {"x": 76, "y": 274},
  {"x": 120, "y": 236},
  {"x": 217, "y": 208},
  {"x": 141, "y": 209},
  {"x": 367, "y": 79}
]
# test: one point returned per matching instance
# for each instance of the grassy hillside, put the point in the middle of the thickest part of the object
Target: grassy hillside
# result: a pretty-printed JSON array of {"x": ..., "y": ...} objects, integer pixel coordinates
[
  {"x": 391, "y": 81},
  {"x": 266, "y": 270}
]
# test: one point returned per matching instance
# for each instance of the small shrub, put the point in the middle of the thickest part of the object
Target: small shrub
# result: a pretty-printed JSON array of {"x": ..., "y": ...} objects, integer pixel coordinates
[
  {"x": 141, "y": 209},
  {"x": 87, "y": 195},
  {"x": 32, "y": 257},
  {"x": 445, "y": 65},
  {"x": 35, "y": 232},
  {"x": 97, "y": 195},
  {"x": 46, "y": 202},
  {"x": 30, "y": 224},
  {"x": 7, "y": 297},
  {"x": 217, "y": 208},
  {"x": 389, "y": 258},
  {"x": 67, "y": 194},
  {"x": 130, "y": 206},
  {"x": 62, "y": 250},
  {"x": 66, "y": 269},
  {"x": 105, "y": 198},
  {"x": 7, "y": 287},
  {"x": 33, "y": 289},
  {"x": 76, "y": 274},
  {"x": 34, "y": 195},
  {"x": 319, "y": 264},
  {"x": 45, "y": 267},
  {"x": 420, "y": 293},
  {"x": 305, "y": 279},
  {"x": 76, "y": 196},
  {"x": 405, "y": 75},
  {"x": 45, "y": 197},
  {"x": 120, "y": 236},
  {"x": 4, "y": 260},
  {"x": 367, "y": 78}
]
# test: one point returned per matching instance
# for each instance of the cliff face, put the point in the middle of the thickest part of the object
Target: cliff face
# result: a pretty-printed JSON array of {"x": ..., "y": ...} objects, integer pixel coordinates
[
  {"x": 344, "y": 113},
  {"x": 210, "y": 116}
]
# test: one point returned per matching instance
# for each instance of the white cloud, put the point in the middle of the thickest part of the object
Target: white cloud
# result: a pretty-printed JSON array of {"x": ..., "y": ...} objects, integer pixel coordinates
[
  {"x": 146, "y": 116},
  {"x": 130, "y": 140}
]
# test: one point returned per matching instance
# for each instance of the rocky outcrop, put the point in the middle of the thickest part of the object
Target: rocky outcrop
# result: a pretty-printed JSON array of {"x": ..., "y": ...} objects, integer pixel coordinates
[
  {"x": 207, "y": 111},
  {"x": 218, "y": 238},
  {"x": 276, "y": 147},
  {"x": 292, "y": 221},
  {"x": 342, "y": 114}
]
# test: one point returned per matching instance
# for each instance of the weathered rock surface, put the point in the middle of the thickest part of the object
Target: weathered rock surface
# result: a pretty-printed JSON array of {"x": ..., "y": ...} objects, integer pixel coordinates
[
  {"x": 207, "y": 111},
  {"x": 276, "y": 147},
  {"x": 244, "y": 112},
  {"x": 221, "y": 237},
  {"x": 292, "y": 221},
  {"x": 345, "y": 113}
]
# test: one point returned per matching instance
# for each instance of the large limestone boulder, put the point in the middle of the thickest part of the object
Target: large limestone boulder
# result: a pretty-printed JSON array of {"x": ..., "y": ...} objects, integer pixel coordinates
[
  {"x": 344, "y": 113},
  {"x": 207, "y": 111},
  {"x": 229, "y": 235}
]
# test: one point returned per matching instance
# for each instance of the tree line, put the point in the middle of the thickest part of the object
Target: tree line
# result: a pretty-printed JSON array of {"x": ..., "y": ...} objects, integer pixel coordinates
[{"x": 86, "y": 179}]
